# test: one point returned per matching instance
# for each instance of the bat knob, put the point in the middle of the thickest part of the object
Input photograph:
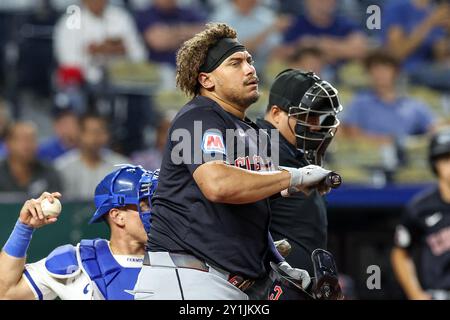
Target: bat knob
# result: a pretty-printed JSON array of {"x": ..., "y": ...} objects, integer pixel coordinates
[{"x": 333, "y": 180}]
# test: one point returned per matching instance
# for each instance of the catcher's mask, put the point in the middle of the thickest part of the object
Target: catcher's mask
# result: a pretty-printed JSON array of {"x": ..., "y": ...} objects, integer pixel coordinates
[{"x": 314, "y": 103}]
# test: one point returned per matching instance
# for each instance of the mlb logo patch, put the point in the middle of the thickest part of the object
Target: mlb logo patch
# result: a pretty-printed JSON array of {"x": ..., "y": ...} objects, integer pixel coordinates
[{"x": 213, "y": 142}]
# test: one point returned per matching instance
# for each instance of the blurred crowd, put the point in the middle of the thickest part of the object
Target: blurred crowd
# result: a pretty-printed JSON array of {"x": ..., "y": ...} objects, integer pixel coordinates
[{"x": 64, "y": 123}]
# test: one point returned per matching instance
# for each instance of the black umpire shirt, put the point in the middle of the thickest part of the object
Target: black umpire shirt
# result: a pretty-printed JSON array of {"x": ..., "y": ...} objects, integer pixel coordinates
[
  {"x": 425, "y": 232},
  {"x": 232, "y": 237},
  {"x": 300, "y": 219}
]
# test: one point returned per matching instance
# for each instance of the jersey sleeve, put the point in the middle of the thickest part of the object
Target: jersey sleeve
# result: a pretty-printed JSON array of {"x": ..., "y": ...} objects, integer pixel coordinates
[
  {"x": 39, "y": 280},
  {"x": 198, "y": 137},
  {"x": 407, "y": 232}
]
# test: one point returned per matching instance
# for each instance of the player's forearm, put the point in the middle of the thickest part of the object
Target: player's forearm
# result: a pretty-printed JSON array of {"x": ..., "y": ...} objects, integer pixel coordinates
[
  {"x": 12, "y": 257},
  {"x": 227, "y": 184},
  {"x": 11, "y": 271},
  {"x": 406, "y": 273}
]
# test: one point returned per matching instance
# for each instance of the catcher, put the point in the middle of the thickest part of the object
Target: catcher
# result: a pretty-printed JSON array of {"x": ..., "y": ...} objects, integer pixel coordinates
[{"x": 94, "y": 269}]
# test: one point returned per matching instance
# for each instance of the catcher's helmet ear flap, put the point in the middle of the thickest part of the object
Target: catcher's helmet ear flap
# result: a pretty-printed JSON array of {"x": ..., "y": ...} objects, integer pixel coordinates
[{"x": 439, "y": 147}]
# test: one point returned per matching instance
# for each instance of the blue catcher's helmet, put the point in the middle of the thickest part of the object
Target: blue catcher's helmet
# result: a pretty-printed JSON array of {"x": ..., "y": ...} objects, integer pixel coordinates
[{"x": 127, "y": 185}]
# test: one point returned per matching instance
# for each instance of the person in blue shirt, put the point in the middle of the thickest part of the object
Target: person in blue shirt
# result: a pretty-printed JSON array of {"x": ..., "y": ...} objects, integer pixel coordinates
[
  {"x": 382, "y": 113},
  {"x": 320, "y": 26},
  {"x": 2, "y": 150},
  {"x": 165, "y": 26},
  {"x": 67, "y": 131},
  {"x": 414, "y": 31},
  {"x": 260, "y": 28}
]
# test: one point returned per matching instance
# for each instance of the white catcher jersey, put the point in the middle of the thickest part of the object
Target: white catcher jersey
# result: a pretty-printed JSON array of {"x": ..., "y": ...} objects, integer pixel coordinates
[{"x": 78, "y": 283}]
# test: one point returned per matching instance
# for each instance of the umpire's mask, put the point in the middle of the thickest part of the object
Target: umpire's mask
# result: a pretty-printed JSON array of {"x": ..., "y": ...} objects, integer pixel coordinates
[{"x": 314, "y": 103}]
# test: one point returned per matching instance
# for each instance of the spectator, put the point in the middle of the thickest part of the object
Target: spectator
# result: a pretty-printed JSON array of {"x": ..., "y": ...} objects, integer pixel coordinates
[
  {"x": 382, "y": 113},
  {"x": 290, "y": 6},
  {"x": 21, "y": 172},
  {"x": 165, "y": 26},
  {"x": 336, "y": 36},
  {"x": 414, "y": 33},
  {"x": 153, "y": 157},
  {"x": 308, "y": 59},
  {"x": 259, "y": 29},
  {"x": 4, "y": 121},
  {"x": 82, "y": 168},
  {"x": 66, "y": 128},
  {"x": 105, "y": 32}
]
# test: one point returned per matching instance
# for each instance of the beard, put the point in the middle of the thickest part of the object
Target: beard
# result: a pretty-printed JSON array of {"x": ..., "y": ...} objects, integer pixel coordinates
[
  {"x": 240, "y": 99},
  {"x": 245, "y": 101},
  {"x": 240, "y": 96}
]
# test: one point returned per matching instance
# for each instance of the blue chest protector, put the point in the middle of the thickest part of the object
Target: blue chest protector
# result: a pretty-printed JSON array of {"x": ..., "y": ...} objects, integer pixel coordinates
[{"x": 110, "y": 277}]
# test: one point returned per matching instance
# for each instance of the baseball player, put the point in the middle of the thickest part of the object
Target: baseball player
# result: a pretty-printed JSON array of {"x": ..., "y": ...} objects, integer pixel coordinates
[
  {"x": 93, "y": 269},
  {"x": 210, "y": 225},
  {"x": 421, "y": 256}
]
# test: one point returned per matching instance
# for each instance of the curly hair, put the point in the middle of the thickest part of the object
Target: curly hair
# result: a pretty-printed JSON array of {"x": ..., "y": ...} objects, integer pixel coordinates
[{"x": 193, "y": 52}]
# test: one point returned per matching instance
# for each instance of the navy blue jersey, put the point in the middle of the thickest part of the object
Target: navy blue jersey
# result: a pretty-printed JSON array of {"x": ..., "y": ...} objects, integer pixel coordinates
[
  {"x": 425, "y": 232},
  {"x": 232, "y": 237}
]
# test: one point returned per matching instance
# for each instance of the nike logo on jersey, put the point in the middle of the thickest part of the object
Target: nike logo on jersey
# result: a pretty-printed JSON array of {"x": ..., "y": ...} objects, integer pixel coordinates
[
  {"x": 402, "y": 237},
  {"x": 433, "y": 219}
]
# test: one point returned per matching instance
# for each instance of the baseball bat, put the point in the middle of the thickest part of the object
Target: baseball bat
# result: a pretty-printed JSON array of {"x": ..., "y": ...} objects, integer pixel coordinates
[{"x": 332, "y": 180}]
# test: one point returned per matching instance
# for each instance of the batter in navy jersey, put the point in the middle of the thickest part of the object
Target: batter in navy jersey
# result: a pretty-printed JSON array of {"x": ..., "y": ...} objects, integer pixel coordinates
[
  {"x": 203, "y": 227},
  {"x": 421, "y": 258},
  {"x": 209, "y": 236}
]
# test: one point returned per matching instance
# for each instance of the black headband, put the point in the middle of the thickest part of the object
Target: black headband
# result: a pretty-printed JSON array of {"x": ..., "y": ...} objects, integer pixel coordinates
[{"x": 219, "y": 52}]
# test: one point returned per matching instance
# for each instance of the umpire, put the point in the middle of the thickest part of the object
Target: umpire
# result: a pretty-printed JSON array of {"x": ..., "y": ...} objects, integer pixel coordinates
[
  {"x": 303, "y": 108},
  {"x": 209, "y": 237}
]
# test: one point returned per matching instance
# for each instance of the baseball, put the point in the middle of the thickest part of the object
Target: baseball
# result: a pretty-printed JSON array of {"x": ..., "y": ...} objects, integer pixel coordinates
[{"x": 51, "y": 209}]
